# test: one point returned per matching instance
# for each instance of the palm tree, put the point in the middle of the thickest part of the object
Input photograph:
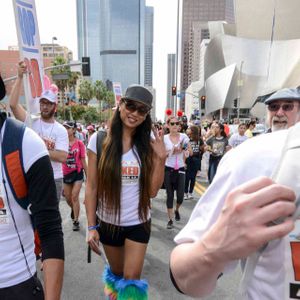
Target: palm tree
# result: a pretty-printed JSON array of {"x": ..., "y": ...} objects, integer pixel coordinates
[
  {"x": 100, "y": 92},
  {"x": 86, "y": 91},
  {"x": 62, "y": 84}
]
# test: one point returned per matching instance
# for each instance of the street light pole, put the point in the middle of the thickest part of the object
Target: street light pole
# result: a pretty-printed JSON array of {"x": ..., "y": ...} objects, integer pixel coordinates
[
  {"x": 53, "y": 39},
  {"x": 239, "y": 89}
]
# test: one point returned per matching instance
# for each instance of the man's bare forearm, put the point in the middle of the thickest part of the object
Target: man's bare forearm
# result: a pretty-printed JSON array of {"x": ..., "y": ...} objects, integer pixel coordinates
[
  {"x": 57, "y": 155},
  {"x": 195, "y": 269},
  {"x": 53, "y": 270},
  {"x": 17, "y": 109}
]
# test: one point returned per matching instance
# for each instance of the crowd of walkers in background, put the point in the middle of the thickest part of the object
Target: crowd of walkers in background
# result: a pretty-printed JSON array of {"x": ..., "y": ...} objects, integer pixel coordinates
[{"x": 126, "y": 167}]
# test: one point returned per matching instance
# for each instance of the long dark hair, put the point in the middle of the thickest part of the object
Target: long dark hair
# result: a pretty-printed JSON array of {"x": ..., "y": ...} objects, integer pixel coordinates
[
  {"x": 109, "y": 167},
  {"x": 222, "y": 129},
  {"x": 195, "y": 133}
]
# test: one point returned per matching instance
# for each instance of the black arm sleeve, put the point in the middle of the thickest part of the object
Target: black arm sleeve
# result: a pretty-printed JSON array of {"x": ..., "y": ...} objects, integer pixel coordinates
[
  {"x": 174, "y": 282},
  {"x": 44, "y": 208}
]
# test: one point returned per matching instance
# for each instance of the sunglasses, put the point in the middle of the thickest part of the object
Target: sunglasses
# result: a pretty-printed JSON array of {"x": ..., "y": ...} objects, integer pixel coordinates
[
  {"x": 132, "y": 107},
  {"x": 277, "y": 106},
  {"x": 174, "y": 123}
]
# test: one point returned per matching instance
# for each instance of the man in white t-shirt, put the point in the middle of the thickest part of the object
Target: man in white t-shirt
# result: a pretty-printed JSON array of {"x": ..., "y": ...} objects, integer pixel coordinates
[
  {"x": 231, "y": 221},
  {"x": 53, "y": 133}
]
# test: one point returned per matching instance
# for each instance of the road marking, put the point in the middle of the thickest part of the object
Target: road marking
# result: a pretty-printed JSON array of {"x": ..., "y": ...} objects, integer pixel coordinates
[
  {"x": 200, "y": 189},
  {"x": 200, "y": 186}
]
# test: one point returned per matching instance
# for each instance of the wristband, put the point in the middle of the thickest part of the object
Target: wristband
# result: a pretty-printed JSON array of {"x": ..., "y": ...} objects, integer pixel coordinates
[{"x": 93, "y": 227}]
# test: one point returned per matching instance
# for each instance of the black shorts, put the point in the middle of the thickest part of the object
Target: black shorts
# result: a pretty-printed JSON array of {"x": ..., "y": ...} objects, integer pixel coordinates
[
  {"x": 73, "y": 177},
  {"x": 113, "y": 235},
  {"x": 30, "y": 289}
]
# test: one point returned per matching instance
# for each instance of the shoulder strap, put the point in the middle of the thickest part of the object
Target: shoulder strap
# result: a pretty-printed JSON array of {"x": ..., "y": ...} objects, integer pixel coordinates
[
  {"x": 12, "y": 159},
  {"x": 101, "y": 135}
]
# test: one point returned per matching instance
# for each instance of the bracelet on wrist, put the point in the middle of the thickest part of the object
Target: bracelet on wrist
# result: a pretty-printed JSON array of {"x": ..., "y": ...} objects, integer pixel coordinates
[{"x": 93, "y": 227}]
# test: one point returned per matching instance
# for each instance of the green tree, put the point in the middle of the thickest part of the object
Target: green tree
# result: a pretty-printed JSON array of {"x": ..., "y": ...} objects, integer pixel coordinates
[
  {"x": 74, "y": 76},
  {"x": 86, "y": 91},
  {"x": 110, "y": 102},
  {"x": 61, "y": 83},
  {"x": 100, "y": 92},
  {"x": 78, "y": 112},
  {"x": 91, "y": 115}
]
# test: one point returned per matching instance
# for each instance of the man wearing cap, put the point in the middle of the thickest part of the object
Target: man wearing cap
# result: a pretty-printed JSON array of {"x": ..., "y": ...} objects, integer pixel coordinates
[
  {"x": 283, "y": 109},
  {"x": 232, "y": 220},
  {"x": 53, "y": 134}
]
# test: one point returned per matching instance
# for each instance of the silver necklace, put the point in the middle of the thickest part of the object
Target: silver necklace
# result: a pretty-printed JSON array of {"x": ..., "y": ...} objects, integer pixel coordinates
[{"x": 41, "y": 128}]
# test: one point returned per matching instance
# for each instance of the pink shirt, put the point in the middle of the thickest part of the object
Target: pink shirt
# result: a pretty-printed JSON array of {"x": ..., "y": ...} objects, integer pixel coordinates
[{"x": 75, "y": 154}]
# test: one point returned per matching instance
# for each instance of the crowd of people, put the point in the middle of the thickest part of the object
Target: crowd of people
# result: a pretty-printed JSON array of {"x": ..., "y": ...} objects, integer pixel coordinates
[{"x": 125, "y": 163}]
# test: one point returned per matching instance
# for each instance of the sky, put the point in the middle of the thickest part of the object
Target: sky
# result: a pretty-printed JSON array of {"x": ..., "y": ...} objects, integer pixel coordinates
[{"x": 57, "y": 18}]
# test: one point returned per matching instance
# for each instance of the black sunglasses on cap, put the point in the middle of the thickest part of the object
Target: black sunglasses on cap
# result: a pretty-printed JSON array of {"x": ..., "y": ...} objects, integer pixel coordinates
[
  {"x": 285, "y": 107},
  {"x": 132, "y": 106}
]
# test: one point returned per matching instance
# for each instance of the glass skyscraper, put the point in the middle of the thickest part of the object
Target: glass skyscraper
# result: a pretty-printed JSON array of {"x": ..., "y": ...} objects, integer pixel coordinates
[
  {"x": 149, "y": 45},
  {"x": 111, "y": 33}
]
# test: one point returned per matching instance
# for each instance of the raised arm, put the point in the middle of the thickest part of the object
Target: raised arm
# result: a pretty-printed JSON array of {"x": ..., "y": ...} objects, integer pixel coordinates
[
  {"x": 158, "y": 162},
  {"x": 17, "y": 109},
  {"x": 241, "y": 229}
]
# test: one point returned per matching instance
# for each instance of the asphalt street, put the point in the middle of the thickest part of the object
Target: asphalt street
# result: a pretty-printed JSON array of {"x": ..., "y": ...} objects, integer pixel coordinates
[{"x": 83, "y": 280}]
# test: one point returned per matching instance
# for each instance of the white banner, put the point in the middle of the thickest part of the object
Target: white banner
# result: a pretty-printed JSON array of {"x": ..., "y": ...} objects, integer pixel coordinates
[
  {"x": 30, "y": 51},
  {"x": 118, "y": 92}
]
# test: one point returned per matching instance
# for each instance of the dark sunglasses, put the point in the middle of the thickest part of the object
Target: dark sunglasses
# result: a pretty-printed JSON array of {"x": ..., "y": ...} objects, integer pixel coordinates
[
  {"x": 277, "y": 106},
  {"x": 174, "y": 123},
  {"x": 132, "y": 107}
]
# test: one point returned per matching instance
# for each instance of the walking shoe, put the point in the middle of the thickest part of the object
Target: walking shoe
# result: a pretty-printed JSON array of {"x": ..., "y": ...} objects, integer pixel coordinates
[
  {"x": 191, "y": 196},
  {"x": 72, "y": 214},
  {"x": 170, "y": 224},
  {"x": 177, "y": 215},
  {"x": 76, "y": 226},
  {"x": 186, "y": 196}
]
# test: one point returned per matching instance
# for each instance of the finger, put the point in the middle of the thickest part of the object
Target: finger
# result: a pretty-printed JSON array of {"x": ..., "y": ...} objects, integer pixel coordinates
[
  {"x": 272, "y": 193},
  {"x": 254, "y": 185},
  {"x": 155, "y": 132},
  {"x": 274, "y": 211},
  {"x": 94, "y": 245},
  {"x": 270, "y": 233}
]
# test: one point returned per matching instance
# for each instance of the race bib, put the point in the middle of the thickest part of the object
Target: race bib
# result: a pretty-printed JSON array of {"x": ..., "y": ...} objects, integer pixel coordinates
[
  {"x": 130, "y": 172},
  {"x": 4, "y": 213}
]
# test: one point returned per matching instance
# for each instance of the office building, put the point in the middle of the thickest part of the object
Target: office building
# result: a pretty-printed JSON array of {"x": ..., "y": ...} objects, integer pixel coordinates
[
  {"x": 171, "y": 81},
  {"x": 149, "y": 13},
  {"x": 112, "y": 34},
  {"x": 193, "y": 15}
]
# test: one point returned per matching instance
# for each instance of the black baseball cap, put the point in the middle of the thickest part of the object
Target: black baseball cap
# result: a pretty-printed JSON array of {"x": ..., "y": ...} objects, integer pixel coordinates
[
  {"x": 140, "y": 94},
  {"x": 69, "y": 124}
]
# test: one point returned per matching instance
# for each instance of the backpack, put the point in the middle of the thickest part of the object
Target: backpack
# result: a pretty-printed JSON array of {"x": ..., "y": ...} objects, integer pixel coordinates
[
  {"x": 101, "y": 135},
  {"x": 12, "y": 159}
]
